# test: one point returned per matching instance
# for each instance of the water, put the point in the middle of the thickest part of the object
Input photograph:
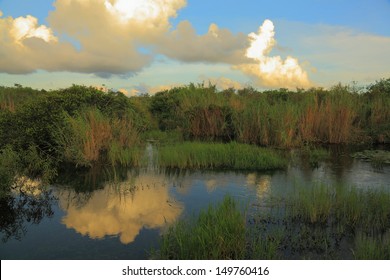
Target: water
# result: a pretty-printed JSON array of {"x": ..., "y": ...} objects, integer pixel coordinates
[{"x": 120, "y": 214}]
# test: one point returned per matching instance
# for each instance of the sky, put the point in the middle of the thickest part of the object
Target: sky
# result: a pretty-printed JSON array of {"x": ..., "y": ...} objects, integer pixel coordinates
[{"x": 139, "y": 46}]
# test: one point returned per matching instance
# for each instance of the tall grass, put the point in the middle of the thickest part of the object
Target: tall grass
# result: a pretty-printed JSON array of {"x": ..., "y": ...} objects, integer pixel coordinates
[
  {"x": 217, "y": 233},
  {"x": 367, "y": 210},
  {"x": 370, "y": 248},
  {"x": 194, "y": 155},
  {"x": 276, "y": 118},
  {"x": 90, "y": 136},
  {"x": 315, "y": 222}
]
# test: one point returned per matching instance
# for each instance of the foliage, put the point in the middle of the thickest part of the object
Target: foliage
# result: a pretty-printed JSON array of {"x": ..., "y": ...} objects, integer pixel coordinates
[
  {"x": 9, "y": 165},
  {"x": 83, "y": 125}
]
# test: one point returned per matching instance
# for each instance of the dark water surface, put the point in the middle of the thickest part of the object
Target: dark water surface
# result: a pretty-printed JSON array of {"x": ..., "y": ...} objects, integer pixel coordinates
[{"x": 120, "y": 214}]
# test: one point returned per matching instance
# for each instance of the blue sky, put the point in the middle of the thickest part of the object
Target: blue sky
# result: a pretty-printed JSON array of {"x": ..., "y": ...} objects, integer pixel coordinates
[{"x": 309, "y": 43}]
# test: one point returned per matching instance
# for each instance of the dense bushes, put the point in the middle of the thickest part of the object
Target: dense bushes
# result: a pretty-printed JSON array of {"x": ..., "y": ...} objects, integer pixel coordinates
[{"x": 77, "y": 125}]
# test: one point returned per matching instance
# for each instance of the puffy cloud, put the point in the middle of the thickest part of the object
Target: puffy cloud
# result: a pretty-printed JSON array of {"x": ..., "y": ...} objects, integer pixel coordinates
[
  {"x": 217, "y": 45},
  {"x": 112, "y": 36},
  {"x": 272, "y": 71},
  {"x": 27, "y": 27},
  {"x": 108, "y": 33},
  {"x": 151, "y": 12}
]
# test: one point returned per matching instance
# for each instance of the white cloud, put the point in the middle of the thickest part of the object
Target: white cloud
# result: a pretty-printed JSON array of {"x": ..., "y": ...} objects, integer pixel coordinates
[
  {"x": 108, "y": 43},
  {"x": 122, "y": 38},
  {"x": 27, "y": 27},
  {"x": 271, "y": 71}
]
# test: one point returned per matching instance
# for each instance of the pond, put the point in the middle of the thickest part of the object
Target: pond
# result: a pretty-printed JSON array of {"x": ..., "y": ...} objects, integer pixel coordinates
[{"x": 113, "y": 214}]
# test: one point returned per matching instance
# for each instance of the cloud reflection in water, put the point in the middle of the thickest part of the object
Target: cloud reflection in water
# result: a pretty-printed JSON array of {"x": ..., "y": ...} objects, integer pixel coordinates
[{"x": 123, "y": 209}]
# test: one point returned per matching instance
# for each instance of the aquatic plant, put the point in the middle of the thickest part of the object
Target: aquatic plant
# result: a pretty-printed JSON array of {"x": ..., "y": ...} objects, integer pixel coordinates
[
  {"x": 217, "y": 233},
  {"x": 372, "y": 248},
  {"x": 195, "y": 155}
]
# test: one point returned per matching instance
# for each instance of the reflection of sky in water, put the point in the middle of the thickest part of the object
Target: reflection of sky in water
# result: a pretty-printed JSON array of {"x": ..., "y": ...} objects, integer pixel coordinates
[
  {"x": 123, "y": 219},
  {"x": 150, "y": 199},
  {"x": 122, "y": 209}
]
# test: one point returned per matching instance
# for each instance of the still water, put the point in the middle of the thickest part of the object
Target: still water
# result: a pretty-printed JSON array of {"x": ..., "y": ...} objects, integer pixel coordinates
[{"x": 120, "y": 214}]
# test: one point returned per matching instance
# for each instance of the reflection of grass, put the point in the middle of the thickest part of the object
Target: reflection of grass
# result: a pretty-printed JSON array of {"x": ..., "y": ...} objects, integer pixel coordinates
[
  {"x": 314, "y": 155},
  {"x": 217, "y": 155},
  {"x": 315, "y": 222}
]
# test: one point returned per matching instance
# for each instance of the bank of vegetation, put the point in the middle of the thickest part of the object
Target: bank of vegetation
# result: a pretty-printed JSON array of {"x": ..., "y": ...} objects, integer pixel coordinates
[{"x": 42, "y": 131}]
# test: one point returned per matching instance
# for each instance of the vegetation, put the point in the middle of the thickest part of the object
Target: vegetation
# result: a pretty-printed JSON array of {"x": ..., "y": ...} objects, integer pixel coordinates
[
  {"x": 313, "y": 222},
  {"x": 195, "y": 155},
  {"x": 217, "y": 233},
  {"x": 83, "y": 126}
]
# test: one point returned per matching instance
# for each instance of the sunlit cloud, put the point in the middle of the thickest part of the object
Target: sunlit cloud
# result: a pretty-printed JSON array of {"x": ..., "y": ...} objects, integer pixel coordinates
[
  {"x": 105, "y": 46},
  {"x": 146, "y": 11},
  {"x": 125, "y": 39},
  {"x": 27, "y": 27},
  {"x": 272, "y": 71}
]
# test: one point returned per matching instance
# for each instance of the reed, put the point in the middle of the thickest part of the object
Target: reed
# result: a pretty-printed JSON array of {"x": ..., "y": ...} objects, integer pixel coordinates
[
  {"x": 311, "y": 204},
  {"x": 217, "y": 233},
  {"x": 368, "y": 210},
  {"x": 195, "y": 155},
  {"x": 90, "y": 136},
  {"x": 370, "y": 248}
]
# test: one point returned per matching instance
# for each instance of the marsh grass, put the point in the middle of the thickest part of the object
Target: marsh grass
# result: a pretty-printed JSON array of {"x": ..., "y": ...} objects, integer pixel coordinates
[
  {"x": 313, "y": 204},
  {"x": 195, "y": 155},
  {"x": 217, "y": 233},
  {"x": 91, "y": 136},
  {"x": 313, "y": 222},
  {"x": 359, "y": 209},
  {"x": 369, "y": 248}
]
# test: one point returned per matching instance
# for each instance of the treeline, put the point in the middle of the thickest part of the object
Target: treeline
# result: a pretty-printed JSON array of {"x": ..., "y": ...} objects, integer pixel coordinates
[{"x": 40, "y": 131}]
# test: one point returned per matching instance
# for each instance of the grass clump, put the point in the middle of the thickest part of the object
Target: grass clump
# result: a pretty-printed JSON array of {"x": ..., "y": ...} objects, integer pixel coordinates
[
  {"x": 194, "y": 155},
  {"x": 217, "y": 233},
  {"x": 370, "y": 248},
  {"x": 312, "y": 204},
  {"x": 356, "y": 208}
]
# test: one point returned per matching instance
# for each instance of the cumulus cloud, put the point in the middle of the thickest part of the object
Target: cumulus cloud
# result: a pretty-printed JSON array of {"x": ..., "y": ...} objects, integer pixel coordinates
[
  {"x": 271, "y": 71},
  {"x": 112, "y": 35},
  {"x": 27, "y": 27},
  {"x": 217, "y": 45},
  {"x": 109, "y": 35}
]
